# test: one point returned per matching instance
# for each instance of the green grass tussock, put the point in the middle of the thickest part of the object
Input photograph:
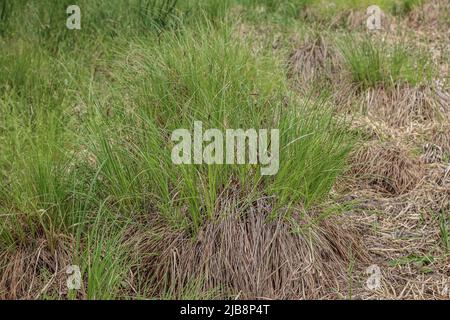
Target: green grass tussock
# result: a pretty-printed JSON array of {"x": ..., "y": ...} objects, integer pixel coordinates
[{"x": 372, "y": 63}]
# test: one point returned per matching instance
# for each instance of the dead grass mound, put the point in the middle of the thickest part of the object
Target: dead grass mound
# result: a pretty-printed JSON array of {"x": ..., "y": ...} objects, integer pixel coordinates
[
  {"x": 313, "y": 59},
  {"x": 402, "y": 104},
  {"x": 385, "y": 167},
  {"x": 34, "y": 271},
  {"x": 242, "y": 254}
]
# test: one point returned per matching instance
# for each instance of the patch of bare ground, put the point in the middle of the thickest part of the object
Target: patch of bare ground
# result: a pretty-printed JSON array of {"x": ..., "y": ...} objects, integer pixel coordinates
[{"x": 242, "y": 253}]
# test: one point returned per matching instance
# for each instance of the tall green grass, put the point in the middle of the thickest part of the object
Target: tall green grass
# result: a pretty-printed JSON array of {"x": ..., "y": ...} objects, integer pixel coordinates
[
  {"x": 209, "y": 76},
  {"x": 372, "y": 63}
]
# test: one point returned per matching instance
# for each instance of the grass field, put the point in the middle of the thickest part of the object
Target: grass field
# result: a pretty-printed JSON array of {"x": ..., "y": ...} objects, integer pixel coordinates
[{"x": 87, "y": 178}]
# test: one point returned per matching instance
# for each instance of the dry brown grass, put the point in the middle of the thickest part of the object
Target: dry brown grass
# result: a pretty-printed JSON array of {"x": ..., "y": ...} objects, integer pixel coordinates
[
  {"x": 387, "y": 168},
  {"x": 310, "y": 61},
  {"x": 242, "y": 254},
  {"x": 430, "y": 15},
  {"x": 399, "y": 106},
  {"x": 35, "y": 271},
  {"x": 403, "y": 237},
  {"x": 402, "y": 104},
  {"x": 440, "y": 135}
]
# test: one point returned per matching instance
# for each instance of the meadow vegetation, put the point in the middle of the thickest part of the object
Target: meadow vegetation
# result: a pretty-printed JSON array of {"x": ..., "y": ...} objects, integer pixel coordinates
[{"x": 86, "y": 176}]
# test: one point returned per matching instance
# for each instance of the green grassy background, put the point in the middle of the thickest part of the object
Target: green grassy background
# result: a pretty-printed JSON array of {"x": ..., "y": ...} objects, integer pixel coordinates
[{"x": 86, "y": 117}]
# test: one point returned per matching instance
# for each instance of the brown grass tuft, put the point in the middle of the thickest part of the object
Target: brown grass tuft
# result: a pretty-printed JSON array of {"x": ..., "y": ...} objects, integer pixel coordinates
[
  {"x": 242, "y": 254},
  {"x": 402, "y": 104},
  {"x": 310, "y": 61},
  {"x": 34, "y": 271},
  {"x": 385, "y": 167}
]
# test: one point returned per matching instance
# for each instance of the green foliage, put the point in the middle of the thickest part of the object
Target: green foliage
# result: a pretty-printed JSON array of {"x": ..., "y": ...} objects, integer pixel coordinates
[
  {"x": 210, "y": 77},
  {"x": 403, "y": 7},
  {"x": 371, "y": 63},
  {"x": 5, "y": 13}
]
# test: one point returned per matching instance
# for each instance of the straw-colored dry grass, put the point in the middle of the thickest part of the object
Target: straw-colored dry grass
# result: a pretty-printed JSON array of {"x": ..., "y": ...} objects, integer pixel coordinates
[
  {"x": 311, "y": 61},
  {"x": 402, "y": 105},
  {"x": 385, "y": 167},
  {"x": 243, "y": 253},
  {"x": 405, "y": 237},
  {"x": 30, "y": 272}
]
